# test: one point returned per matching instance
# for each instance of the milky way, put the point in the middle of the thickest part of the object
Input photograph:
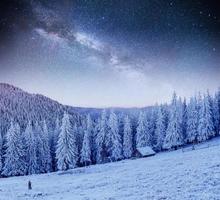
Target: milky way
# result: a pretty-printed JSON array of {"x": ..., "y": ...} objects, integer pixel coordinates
[{"x": 110, "y": 53}]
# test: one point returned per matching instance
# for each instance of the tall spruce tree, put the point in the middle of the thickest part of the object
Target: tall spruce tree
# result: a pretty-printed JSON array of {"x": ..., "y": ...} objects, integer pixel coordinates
[
  {"x": 209, "y": 115},
  {"x": 101, "y": 149},
  {"x": 86, "y": 146},
  {"x": 67, "y": 152},
  {"x": 218, "y": 105},
  {"x": 160, "y": 130},
  {"x": 206, "y": 124},
  {"x": 216, "y": 112},
  {"x": 141, "y": 135},
  {"x": 14, "y": 164},
  {"x": 54, "y": 142},
  {"x": 39, "y": 147},
  {"x": 127, "y": 138},
  {"x": 184, "y": 120},
  {"x": 116, "y": 144},
  {"x": 30, "y": 144},
  {"x": 174, "y": 136},
  {"x": 150, "y": 128},
  {"x": 192, "y": 120},
  {"x": 46, "y": 158},
  {"x": 1, "y": 152}
]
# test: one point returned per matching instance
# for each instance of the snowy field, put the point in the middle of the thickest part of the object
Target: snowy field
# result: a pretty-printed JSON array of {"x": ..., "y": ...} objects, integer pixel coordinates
[{"x": 169, "y": 175}]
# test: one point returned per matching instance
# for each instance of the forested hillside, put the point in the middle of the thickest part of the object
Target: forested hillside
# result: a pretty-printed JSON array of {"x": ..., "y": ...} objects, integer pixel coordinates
[
  {"x": 21, "y": 106},
  {"x": 39, "y": 135}
]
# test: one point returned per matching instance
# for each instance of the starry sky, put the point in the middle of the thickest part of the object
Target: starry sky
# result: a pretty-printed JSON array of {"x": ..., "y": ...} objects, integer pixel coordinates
[{"x": 102, "y": 53}]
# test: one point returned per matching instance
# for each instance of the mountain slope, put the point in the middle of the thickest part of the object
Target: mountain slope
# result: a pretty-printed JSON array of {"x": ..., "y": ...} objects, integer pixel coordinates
[
  {"x": 170, "y": 175},
  {"x": 18, "y": 105},
  {"x": 21, "y": 106}
]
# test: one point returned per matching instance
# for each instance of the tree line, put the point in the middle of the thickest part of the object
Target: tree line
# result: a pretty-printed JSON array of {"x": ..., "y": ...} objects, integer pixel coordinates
[{"x": 110, "y": 137}]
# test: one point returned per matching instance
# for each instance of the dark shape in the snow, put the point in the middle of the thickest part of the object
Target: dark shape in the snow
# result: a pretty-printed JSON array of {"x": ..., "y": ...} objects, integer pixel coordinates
[{"x": 29, "y": 185}]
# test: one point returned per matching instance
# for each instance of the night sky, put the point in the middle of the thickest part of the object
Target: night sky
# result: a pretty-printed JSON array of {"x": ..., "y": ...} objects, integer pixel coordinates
[{"x": 97, "y": 53}]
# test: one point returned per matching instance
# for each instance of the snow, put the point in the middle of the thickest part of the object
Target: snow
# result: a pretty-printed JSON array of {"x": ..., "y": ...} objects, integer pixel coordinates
[
  {"x": 168, "y": 175},
  {"x": 146, "y": 151}
]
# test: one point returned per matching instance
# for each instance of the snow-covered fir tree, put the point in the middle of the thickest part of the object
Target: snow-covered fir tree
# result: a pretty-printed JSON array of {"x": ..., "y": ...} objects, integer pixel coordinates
[
  {"x": 54, "y": 141},
  {"x": 160, "y": 130},
  {"x": 210, "y": 115},
  {"x": 101, "y": 149},
  {"x": 86, "y": 146},
  {"x": 174, "y": 136},
  {"x": 75, "y": 148},
  {"x": 93, "y": 140},
  {"x": 206, "y": 127},
  {"x": 150, "y": 127},
  {"x": 202, "y": 135},
  {"x": 67, "y": 152},
  {"x": 39, "y": 146},
  {"x": 116, "y": 144},
  {"x": 184, "y": 119},
  {"x": 80, "y": 135},
  {"x": 46, "y": 159},
  {"x": 216, "y": 112},
  {"x": 141, "y": 135},
  {"x": 31, "y": 148},
  {"x": 192, "y": 120},
  {"x": 1, "y": 152},
  {"x": 127, "y": 138},
  {"x": 14, "y": 164},
  {"x": 96, "y": 129},
  {"x": 218, "y": 102}
]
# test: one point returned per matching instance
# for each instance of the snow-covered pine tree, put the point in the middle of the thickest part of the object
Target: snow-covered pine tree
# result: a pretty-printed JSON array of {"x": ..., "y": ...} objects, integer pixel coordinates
[
  {"x": 165, "y": 108},
  {"x": 218, "y": 102},
  {"x": 173, "y": 136},
  {"x": 216, "y": 112},
  {"x": 192, "y": 120},
  {"x": 86, "y": 146},
  {"x": 141, "y": 135},
  {"x": 127, "y": 139},
  {"x": 1, "y": 152},
  {"x": 14, "y": 164},
  {"x": 149, "y": 122},
  {"x": 67, "y": 152},
  {"x": 96, "y": 130},
  {"x": 46, "y": 158},
  {"x": 116, "y": 144},
  {"x": 80, "y": 134},
  {"x": 160, "y": 130},
  {"x": 202, "y": 134},
  {"x": 30, "y": 144},
  {"x": 54, "y": 141},
  {"x": 206, "y": 125},
  {"x": 39, "y": 147},
  {"x": 101, "y": 150},
  {"x": 184, "y": 119},
  {"x": 181, "y": 116},
  {"x": 93, "y": 141},
  {"x": 75, "y": 148},
  {"x": 152, "y": 126},
  {"x": 209, "y": 115}
]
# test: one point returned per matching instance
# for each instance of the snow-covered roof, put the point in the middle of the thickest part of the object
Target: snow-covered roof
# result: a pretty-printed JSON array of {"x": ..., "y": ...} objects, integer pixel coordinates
[{"x": 146, "y": 151}]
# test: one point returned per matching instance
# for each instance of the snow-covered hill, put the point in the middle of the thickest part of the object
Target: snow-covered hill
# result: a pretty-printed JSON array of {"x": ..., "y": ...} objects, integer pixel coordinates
[
  {"x": 22, "y": 106},
  {"x": 191, "y": 174}
]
